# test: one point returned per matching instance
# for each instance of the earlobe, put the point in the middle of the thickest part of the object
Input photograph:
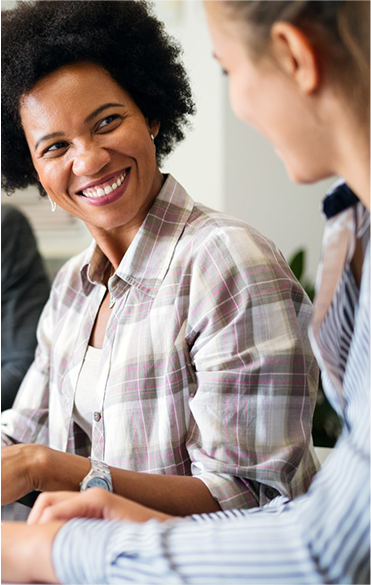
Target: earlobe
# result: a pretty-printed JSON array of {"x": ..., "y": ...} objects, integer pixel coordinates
[
  {"x": 295, "y": 54},
  {"x": 154, "y": 127}
]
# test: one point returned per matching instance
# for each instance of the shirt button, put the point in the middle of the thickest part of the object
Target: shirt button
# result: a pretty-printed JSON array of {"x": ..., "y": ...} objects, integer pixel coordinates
[{"x": 97, "y": 416}]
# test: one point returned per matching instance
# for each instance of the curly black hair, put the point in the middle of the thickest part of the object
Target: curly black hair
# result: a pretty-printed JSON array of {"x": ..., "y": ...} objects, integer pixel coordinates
[{"x": 125, "y": 38}]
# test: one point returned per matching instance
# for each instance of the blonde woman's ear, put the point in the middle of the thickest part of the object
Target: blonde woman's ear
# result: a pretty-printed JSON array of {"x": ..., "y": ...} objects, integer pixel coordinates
[{"x": 295, "y": 55}]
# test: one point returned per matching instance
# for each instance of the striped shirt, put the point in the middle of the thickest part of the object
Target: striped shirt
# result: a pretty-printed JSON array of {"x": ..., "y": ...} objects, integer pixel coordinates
[
  {"x": 206, "y": 364},
  {"x": 320, "y": 537}
]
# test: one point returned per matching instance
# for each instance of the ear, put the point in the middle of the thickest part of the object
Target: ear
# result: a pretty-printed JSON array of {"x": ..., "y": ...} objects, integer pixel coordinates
[
  {"x": 296, "y": 56},
  {"x": 154, "y": 127}
]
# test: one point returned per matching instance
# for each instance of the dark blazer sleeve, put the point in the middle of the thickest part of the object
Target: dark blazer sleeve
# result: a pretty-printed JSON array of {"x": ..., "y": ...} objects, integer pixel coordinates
[{"x": 25, "y": 289}]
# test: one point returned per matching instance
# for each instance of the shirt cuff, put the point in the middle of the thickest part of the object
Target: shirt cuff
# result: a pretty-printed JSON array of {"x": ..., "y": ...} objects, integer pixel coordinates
[
  {"x": 230, "y": 492},
  {"x": 72, "y": 551},
  {"x": 5, "y": 440}
]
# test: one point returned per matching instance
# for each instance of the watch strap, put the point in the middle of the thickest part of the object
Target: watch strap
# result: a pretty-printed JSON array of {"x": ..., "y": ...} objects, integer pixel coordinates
[{"x": 99, "y": 469}]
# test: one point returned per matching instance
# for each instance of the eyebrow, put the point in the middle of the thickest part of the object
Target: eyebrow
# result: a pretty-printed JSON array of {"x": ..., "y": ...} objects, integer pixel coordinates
[
  {"x": 88, "y": 119},
  {"x": 47, "y": 137},
  {"x": 101, "y": 109}
]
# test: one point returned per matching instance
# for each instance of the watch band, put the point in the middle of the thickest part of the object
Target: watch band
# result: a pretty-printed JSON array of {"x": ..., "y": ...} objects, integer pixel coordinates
[{"x": 98, "y": 476}]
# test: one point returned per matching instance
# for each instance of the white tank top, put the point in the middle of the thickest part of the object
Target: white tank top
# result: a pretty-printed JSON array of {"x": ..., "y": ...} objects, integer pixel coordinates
[{"x": 86, "y": 399}]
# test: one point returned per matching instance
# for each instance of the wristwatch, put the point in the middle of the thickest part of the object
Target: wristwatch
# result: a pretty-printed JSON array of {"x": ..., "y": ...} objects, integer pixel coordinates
[{"x": 98, "y": 476}]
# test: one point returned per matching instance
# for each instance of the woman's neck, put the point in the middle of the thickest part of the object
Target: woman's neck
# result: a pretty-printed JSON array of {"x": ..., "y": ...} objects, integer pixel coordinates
[
  {"x": 354, "y": 159},
  {"x": 357, "y": 176}
]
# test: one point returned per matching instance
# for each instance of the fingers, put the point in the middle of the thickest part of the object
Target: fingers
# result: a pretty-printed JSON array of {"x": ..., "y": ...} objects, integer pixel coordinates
[
  {"x": 63, "y": 506},
  {"x": 94, "y": 503},
  {"x": 44, "y": 501}
]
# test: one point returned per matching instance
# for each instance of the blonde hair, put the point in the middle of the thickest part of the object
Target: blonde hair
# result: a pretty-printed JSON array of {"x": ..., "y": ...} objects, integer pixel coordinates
[{"x": 338, "y": 30}]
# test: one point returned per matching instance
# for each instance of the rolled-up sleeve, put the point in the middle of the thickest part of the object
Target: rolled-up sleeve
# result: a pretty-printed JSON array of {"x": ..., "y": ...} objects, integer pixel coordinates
[{"x": 250, "y": 433}]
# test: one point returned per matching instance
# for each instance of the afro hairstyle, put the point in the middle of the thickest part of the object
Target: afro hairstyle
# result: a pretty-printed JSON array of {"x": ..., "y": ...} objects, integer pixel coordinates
[{"x": 124, "y": 38}]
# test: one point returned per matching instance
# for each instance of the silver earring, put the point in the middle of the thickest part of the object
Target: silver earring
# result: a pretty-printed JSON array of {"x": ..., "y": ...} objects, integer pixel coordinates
[
  {"x": 53, "y": 204},
  {"x": 153, "y": 140}
]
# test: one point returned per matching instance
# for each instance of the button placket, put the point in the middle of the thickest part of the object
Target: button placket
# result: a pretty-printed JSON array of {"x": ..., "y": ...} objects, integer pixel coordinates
[{"x": 97, "y": 448}]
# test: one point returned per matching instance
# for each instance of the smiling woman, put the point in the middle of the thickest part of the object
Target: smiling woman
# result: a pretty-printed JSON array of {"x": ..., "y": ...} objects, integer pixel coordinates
[
  {"x": 174, "y": 350},
  {"x": 89, "y": 157}
]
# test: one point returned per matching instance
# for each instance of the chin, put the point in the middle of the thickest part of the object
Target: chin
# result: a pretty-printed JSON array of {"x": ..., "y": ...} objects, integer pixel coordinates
[{"x": 301, "y": 177}]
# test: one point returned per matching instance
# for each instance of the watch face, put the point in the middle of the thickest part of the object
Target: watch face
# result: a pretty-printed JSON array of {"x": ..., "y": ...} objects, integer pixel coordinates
[{"x": 97, "y": 482}]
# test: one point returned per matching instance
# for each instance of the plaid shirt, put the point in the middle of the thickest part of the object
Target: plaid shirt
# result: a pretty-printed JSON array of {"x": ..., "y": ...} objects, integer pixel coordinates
[{"x": 206, "y": 367}]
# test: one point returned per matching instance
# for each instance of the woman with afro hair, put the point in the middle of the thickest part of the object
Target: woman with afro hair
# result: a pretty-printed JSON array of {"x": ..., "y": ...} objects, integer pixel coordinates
[{"x": 173, "y": 353}]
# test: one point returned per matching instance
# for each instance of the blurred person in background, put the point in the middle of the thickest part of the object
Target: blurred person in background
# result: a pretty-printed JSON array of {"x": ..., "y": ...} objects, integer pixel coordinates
[{"x": 24, "y": 291}]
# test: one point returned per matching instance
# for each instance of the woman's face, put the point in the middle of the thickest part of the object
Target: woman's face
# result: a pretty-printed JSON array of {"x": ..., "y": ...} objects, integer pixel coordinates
[
  {"x": 264, "y": 97},
  {"x": 91, "y": 147}
]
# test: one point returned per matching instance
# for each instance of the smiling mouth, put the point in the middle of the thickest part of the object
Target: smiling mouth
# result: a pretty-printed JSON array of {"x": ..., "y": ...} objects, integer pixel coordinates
[{"x": 105, "y": 188}]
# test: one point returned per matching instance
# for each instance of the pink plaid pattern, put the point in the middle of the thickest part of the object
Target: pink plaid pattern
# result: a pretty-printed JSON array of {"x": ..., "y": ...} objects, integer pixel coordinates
[{"x": 206, "y": 366}]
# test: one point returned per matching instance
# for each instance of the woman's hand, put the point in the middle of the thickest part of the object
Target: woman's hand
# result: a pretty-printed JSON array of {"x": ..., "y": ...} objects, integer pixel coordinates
[
  {"x": 94, "y": 503},
  {"x": 26, "y": 553},
  {"x": 19, "y": 464},
  {"x": 25, "y": 468}
]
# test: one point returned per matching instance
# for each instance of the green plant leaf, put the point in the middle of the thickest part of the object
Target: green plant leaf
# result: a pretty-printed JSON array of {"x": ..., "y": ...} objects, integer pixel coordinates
[{"x": 297, "y": 263}]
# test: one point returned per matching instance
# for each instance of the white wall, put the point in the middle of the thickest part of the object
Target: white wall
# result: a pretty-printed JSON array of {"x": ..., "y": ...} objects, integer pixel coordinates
[{"x": 198, "y": 162}]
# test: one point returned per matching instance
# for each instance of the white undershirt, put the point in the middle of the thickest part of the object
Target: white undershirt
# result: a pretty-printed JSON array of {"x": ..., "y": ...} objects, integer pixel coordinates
[{"x": 86, "y": 399}]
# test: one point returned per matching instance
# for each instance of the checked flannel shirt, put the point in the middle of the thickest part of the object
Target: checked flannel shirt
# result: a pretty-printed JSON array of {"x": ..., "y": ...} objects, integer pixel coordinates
[{"x": 206, "y": 367}]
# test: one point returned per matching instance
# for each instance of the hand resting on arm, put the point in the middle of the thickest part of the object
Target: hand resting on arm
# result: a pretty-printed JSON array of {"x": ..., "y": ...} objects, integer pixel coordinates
[{"x": 94, "y": 503}]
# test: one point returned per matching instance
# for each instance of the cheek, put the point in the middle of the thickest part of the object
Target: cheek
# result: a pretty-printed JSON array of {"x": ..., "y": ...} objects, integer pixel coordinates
[
  {"x": 245, "y": 103},
  {"x": 52, "y": 179},
  {"x": 239, "y": 103}
]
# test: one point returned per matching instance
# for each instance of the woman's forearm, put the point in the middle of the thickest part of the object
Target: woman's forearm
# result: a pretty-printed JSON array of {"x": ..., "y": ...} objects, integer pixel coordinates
[
  {"x": 52, "y": 470},
  {"x": 26, "y": 552},
  {"x": 173, "y": 494}
]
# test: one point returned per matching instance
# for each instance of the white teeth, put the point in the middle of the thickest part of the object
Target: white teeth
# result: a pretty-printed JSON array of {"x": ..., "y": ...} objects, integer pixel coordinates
[{"x": 94, "y": 193}]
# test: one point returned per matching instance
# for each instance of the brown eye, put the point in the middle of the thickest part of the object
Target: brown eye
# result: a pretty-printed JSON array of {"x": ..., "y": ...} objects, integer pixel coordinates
[
  {"x": 108, "y": 122},
  {"x": 55, "y": 148}
]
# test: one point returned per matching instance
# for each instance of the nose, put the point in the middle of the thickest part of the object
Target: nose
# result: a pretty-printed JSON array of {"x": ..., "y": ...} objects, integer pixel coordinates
[{"x": 89, "y": 159}]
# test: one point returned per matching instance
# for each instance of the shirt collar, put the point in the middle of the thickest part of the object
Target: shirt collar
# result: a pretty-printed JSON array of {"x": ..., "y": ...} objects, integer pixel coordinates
[
  {"x": 340, "y": 197},
  {"x": 148, "y": 257}
]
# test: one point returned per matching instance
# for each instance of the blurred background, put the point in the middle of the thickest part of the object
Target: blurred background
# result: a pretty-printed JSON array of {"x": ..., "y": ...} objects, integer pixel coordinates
[{"x": 222, "y": 163}]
